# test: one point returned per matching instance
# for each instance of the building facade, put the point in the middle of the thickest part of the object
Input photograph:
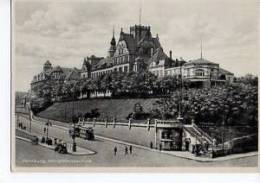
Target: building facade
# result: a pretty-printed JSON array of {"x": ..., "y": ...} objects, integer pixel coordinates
[
  {"x": 138, "y": 50},
  {"x": 132, "y": 52},
  {"x": 201, "y": 72},
  {"x": 53, "y": 74}
]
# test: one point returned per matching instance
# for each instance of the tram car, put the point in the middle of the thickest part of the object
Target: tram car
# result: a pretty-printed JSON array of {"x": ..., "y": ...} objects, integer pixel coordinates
[{"x": 86, "y": 133}]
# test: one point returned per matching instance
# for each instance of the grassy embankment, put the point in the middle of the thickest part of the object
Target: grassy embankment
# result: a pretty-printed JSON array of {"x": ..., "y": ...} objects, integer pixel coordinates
[{"x": 120, "y": 108}]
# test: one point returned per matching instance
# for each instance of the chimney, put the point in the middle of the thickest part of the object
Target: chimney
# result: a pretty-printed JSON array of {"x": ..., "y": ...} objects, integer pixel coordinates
[{"x": 170, "y": 54}]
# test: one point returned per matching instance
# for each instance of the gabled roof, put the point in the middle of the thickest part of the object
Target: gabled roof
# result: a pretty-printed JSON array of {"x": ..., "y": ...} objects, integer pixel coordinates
[
  {"x": 73, "y": 75},
  {"x": 130, "y": 42},
  {"x": 158, "y": 56}
]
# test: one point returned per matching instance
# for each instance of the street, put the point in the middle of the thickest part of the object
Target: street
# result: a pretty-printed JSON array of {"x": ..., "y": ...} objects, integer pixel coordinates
[{"x": 32, "y": 155}]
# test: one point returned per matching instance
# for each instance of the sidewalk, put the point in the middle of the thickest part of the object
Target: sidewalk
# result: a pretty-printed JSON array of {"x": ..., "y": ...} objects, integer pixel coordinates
[
  {"x": 184, "y": 154},
  {"x": 80, "y": 151},
  {"x": 181, "y": 154}
]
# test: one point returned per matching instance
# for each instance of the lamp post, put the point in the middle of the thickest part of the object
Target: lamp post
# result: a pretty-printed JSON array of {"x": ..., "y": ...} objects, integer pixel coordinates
[
  {"x": 47, "y": 124},
  {"x": 30, "y": 118},
  {"x": 74, "y": 121}
]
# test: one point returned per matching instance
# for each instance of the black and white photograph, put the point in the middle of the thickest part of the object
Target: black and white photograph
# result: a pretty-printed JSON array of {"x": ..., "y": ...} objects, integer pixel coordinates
[{"x": 135, "y": 85}]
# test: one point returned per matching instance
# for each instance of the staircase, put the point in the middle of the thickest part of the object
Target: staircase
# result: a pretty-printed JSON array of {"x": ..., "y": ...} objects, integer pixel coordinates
[{"x": 198, "y": 133}]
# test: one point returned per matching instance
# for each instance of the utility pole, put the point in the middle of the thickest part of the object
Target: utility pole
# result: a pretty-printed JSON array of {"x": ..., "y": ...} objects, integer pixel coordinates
[
  {"x": 140, "y": 13},
  {"x": 201, "y": 49}
]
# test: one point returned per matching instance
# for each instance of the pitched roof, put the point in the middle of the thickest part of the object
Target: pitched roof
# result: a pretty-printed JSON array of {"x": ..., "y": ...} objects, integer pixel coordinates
[
  {"x": 47, "y": 62},
  {"x": 57, "y": 69},
  {"x": 156, "y": 42},
  {"x": 200, "y": 61},
  {"x": 103, "y": 63},
  {"x": 73, "y": 75},
  {"x": 130, "y": 41},
  {"x": 226, "y": 72},
  {"x": 66, "y": 70},
  {"x": 158, "y": 56}
]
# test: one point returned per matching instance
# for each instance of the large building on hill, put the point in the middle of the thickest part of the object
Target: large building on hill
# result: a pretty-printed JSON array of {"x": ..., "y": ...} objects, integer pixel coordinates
[
  {"x": 53, "y": 74},
  {"x": 138, "y": 50},
  {"x": 132, "y": 52},
  {"x": 199, "y": 72}
]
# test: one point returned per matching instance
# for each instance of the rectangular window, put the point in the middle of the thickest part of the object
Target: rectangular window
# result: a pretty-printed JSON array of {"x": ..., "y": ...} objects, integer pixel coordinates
[{"x": 125, "y": 68}]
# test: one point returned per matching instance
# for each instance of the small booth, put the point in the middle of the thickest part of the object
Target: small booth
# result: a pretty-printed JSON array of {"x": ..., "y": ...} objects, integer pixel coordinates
[{"x": 168, "y": 135}]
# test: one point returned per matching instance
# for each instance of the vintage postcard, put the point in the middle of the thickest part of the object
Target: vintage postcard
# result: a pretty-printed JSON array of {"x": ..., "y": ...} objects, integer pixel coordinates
[{"x": 135, "y": 85}]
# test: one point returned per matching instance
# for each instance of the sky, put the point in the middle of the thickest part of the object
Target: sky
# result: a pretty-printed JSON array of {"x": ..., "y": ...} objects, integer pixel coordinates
[{"x": 65, "y": 32}]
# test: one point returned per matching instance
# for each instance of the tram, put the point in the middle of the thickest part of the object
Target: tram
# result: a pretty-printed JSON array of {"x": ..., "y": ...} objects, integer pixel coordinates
[{"x": 84, "y": 132}]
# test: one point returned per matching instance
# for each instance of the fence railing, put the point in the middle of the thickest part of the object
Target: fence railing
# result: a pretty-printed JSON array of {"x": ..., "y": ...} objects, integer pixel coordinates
[{"x": 209, "y": 138}]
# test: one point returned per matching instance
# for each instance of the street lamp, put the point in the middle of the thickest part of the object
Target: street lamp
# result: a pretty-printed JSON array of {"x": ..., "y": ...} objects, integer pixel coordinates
[
  {"x": 30, "y": 118},
  {"x": 47, "y": 124},
  {"x": 74, "y": 121}
]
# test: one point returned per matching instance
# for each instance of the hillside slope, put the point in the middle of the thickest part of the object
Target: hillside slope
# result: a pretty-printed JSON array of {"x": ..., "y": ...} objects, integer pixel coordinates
[{"x": 120, "y": 108}]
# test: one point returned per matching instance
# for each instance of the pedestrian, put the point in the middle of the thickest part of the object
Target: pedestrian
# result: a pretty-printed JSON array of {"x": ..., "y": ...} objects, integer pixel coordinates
[
  {"x": 115, "y": 150},
  {"x": 126, "y": 150},
  {"x": 160, "y": 147},
  {"x": 130, "y": 149},
  {"x": 44, "y": 129},
  {"x": 151, "y": 145}
]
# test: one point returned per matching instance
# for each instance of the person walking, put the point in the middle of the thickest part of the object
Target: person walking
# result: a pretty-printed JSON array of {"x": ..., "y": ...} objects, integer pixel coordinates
[
  {"x": 130, "y": 149},
  {"x": 151, "y": 145},
  {"x": 115, "y": 150},
  {"x": 126, "y": 150},
  {"x": 44, "y": 130}
]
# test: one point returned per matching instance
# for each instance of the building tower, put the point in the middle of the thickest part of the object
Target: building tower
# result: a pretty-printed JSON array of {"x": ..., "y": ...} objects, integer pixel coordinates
[
  {"x": 47, "y": 66},
  {"x": 112, "y": 48}
]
